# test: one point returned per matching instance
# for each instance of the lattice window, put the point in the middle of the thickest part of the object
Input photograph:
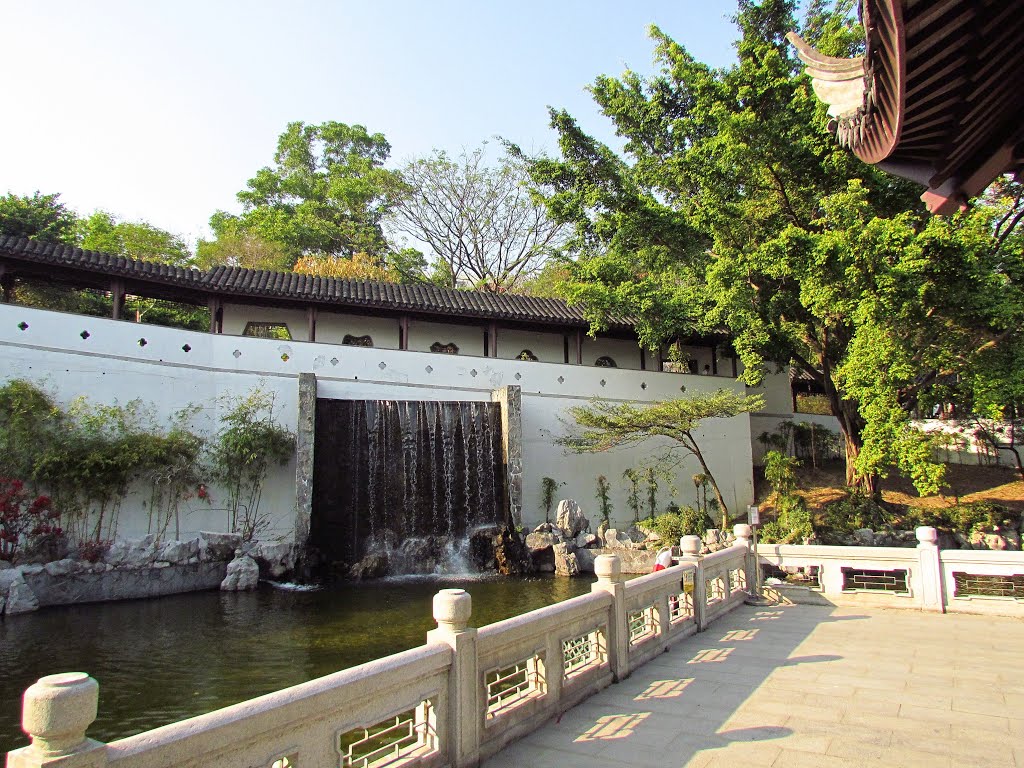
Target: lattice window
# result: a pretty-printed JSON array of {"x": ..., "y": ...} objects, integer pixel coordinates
[
  {"x": 410, "y": 733},
  {"x": 875, "y": 581},
  {"x": 605, "y": 362},
  {"x": 642, "y": 624},
  {"x": 286, "y": 761},
  {"x": 267, "y": 331},
  {"x": 987, "y": 585},
  {"x": 510, "y": 686},
  {"x": 357, "y": 341},
  {"x": 716, "y": 589},
  {"x": 738, "y": 580},
  {"x": 526, "y": 355},
  {"x": 582, "y": 652},
  {"x": 451, "y": 348},
  {"x": 803, "y": 576},
  {"x": 680, "y": 607}
]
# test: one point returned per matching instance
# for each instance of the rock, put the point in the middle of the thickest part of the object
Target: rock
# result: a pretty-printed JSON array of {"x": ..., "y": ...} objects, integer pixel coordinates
[
  {"x": 865, "y": 537},
  {"x": 567, "y": 565},
  {"x": 585, "y": 540},
  {"x": 511, "y": 555},
  {"x": 132, "y": 553},
  {"x": 481, "y": 549},
  {"x": 15, "y": 593},
  {"x": 273, "y": 558},
  {"x": 243, "y": 574},
  {"x": 161, "y": 564},
  {"x": 6, "y": 565},
  {"x": 997, "y": 539},
  {"x": 179, "y": 551},
  {"x": 546, "y": 528},
  {"x": 31, "y": 570},
  {"x": 540, "y": 540},
  {"x": 218, "y": 546},
  {"x": 615, "y": 539},
  {"x": 373, "y": 566},
  {"x": 636, "y": 535},
  {"x": 570, "y": 519},
  {"x": 773, "y": 580},
  {"x": 62, "y": 567}
]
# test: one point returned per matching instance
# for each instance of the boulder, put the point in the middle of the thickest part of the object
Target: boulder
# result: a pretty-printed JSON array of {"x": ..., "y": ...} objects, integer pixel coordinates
[
  {"x": 616, "y": 539},
  {"x": 636, "y": 535},
  {"x": 571, "y": 519},
  {"x": 511, "y": 555},
  {"x": 566, "y": 563},
  {"x": 132, "y": 553},
  {"x": 997, "y": 539},
  {"x": 218, "y": 546},
  {"x": 63, "y": 567},
  {"x": 536, "y": 541},
  {"x": 585, "y": 540},
  {"x": 243, "y": 574},
  {"x": 865, "y": 537},
  {"x": 273, "y": 558},
  {"x": 15, "y": 593},
  {"x": 373, "y": 566},
  {"x": 179, "y": 551}
]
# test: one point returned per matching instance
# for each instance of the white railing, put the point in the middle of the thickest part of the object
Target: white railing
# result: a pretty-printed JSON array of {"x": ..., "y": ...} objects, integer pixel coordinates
[
  {"x": 454, "y": 701},
  {"x": 968, "y": 581}
]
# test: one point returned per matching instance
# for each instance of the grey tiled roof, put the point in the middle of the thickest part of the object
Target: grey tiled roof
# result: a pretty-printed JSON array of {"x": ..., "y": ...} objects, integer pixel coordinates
[{"x": 225, "y": 282}]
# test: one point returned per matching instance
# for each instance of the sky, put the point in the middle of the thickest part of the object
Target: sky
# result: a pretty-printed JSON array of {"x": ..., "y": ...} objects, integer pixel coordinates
[{"x": 162, "y": 111}]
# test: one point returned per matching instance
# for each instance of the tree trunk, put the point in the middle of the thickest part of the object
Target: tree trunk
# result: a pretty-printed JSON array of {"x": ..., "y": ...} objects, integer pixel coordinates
[
  {"x": 850, "y": 426},
  {"x": 695, "y": 450}
]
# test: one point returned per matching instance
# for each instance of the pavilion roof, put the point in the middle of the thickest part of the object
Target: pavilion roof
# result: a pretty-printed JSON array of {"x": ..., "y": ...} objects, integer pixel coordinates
[{"x": 936, "y": 98}]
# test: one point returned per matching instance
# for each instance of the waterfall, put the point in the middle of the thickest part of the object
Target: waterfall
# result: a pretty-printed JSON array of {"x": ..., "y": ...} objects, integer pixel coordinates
[{"x": 390, "y": 475}]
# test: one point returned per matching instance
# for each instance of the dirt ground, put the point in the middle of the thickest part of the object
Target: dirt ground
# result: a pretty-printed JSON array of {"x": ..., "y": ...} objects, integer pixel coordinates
[{"x": 964, "y": 483}]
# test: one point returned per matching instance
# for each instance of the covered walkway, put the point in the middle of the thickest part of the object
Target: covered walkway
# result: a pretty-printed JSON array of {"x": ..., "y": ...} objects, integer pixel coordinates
[{"x": 793, "y": 686}]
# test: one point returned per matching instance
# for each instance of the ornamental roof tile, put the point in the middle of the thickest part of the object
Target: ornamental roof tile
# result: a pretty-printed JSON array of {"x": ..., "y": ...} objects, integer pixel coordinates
[{"x": 237, "y": 282}]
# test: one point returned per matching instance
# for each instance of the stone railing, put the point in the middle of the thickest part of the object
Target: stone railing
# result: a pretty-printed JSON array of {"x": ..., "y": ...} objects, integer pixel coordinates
[
  {"x": 927, "y": 578},
  {"x": 454, "y": 701}
]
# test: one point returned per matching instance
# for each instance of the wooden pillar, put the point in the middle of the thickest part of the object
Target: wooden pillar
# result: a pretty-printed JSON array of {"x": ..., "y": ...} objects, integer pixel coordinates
[
  {"x": 579, "y": 347},
  {"x": 492, "y": 332},
  {"x": 403, "y": 332},
  {"x": 117, "y": 295},
  {"x": 311, "y": 315},
  {"x": 216, "y": 315},
  {"x": 714, "y": 361},
  {"x": 6, "y": 285},
  {"x": 565, "y": 347},
  {"x": 660, "y": 360},
  {"x": 735, "y": 368},
  {"x": 643, "y": 359}
]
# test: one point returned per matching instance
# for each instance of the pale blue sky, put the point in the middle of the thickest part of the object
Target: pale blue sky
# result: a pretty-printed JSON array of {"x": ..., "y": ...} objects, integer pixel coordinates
[{"x": 162, "y": 110}]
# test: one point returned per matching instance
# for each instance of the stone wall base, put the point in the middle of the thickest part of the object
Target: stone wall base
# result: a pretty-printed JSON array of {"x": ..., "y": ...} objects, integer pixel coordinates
[{"x": 125, "y": 583}]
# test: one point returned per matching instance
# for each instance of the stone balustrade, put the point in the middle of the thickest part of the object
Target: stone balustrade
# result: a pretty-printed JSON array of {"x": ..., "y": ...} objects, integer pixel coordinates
[
  {"x": 925, "y": 577},
  {"x": 455, "y": 701}
]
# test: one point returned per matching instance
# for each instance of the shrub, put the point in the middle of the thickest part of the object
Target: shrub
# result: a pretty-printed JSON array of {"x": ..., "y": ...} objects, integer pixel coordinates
[
  {"x": 841, "y": 518},
  {"x": 676, "y": 523},
  {"x": 24, "y": 522}
]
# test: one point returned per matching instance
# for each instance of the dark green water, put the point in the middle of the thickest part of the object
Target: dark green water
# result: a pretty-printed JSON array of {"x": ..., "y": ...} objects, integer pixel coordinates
[{"x": 162, "y": 660}]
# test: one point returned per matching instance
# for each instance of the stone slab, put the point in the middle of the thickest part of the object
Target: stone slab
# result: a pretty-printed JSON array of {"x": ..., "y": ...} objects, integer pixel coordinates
[{"x": 125, "y": 584}]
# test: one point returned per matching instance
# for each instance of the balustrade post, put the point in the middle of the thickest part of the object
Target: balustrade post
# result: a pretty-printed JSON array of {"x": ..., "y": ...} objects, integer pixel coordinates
[
  {"x": 608, "y": 569},
  {"x": 56, "y": 711},
  {"x": 933, "y": 593},
  {"x": 751, "y": 567},
  {"x": 452, "y": 609},
  {"x": 690, "y": 548}
]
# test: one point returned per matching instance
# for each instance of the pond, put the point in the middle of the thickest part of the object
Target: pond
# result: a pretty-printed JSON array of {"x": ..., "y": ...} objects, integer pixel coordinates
[{"x": 162, "y": 660}]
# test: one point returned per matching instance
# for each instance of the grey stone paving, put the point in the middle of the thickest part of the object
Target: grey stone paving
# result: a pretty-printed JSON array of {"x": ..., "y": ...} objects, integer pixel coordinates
[{"x": 793, "y": 686}]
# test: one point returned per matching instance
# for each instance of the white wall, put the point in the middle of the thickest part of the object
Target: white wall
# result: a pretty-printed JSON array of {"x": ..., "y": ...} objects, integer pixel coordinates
[
  {"x": 111, "y": 365},
  {"x": 331, "y": 328},
  {"x": 624, "y": 352},
  {"x": 548, "y": 347},
  {"x": 237, "y": 315}
]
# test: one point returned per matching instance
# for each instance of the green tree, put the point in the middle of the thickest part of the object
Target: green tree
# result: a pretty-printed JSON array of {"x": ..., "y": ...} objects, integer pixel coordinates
[
  {"x": 482, "y": 224},
  {"x": 40, "y": 217},
  {"x": 242, "y": 249},
  {"x": 325, "y": 194},
  {"x": 733, "y": 207},
  {"x": 102, "y": 231},
  {"x": 605, "y": 426}
]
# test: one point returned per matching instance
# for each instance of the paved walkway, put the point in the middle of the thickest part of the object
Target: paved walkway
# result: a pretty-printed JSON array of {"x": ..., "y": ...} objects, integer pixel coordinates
[{"x": 806, "y": 686}]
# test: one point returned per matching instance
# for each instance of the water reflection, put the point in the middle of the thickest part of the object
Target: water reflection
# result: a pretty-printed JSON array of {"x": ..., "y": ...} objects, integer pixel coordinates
[{"x": 158, "y": 661}]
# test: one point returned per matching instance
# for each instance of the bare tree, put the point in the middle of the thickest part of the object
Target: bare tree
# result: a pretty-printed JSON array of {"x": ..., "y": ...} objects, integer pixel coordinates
[{"x": 483, "y": 226}]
